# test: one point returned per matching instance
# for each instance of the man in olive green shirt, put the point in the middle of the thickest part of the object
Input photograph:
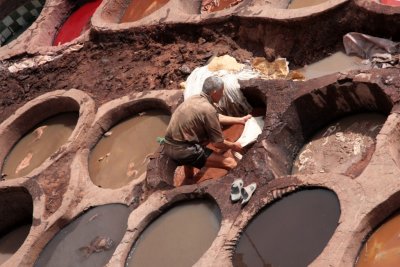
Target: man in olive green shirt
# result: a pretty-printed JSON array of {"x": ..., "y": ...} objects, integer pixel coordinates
[{"x": 194, "y": 124}]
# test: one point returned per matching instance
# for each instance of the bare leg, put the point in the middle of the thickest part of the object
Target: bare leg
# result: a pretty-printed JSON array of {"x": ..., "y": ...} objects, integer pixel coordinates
[{"x": 219, "y": 161}]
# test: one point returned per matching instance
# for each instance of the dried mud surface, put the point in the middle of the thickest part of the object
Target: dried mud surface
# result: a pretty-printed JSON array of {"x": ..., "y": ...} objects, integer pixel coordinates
[
  {"x": 112, "y": 64},
  {"x": 110, "y": 70}
]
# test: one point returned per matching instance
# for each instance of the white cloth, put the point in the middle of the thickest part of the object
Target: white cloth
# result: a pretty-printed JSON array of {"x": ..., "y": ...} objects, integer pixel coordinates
[{"x": 252, "y": 129}]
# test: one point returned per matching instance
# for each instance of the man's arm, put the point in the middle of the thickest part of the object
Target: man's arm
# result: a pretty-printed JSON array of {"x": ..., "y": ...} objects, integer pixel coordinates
[
  {"x": 228, "y": 120},
  {"x": 225, "y": 145}
]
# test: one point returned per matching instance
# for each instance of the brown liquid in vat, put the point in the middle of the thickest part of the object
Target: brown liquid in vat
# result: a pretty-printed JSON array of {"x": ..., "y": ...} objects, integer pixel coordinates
[
  {"x": 343, "y": 147},
  {"x": 337, "y": 62},
  {"x": 291, "y": 232},
  {"x": 139, "y": 9},
  {"x": 35, "y": 147},
  {"x": 382, "y": 249},
  {"x": 10, "y": 242},
  {"x": 123, "y": 156},
  {"x": 294, "y": 4},
  {"x": 177, "y": 238}
]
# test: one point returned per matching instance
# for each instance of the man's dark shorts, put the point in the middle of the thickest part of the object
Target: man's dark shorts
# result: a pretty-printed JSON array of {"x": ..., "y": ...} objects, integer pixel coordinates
[{"x": 189, "y": 154}]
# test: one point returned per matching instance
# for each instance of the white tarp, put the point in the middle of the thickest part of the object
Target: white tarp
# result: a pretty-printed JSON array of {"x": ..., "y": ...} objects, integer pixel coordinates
[{"x": 233, "y": 102}]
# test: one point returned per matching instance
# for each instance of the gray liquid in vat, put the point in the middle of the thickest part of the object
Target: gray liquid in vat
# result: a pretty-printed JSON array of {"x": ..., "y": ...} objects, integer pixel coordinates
[
  {"x": 291, "y": 232},
  {"x": 12, "y": 241},
  {"x": 179, "y": 237},
  {"x": 89, "y": 240},
  {"x": 122, "y": 156},
  {"x": 39, "y": 144}
]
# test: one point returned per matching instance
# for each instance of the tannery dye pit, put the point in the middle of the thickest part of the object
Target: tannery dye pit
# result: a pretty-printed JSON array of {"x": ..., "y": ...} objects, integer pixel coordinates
[
  {"x": 344, "y": 146},
  {"x": 10, "y": 242},
  {"x": 89, "y": 240},
  {"x": 36, "y": 146},
  {"x": 381, "y": 248},
  {"x": 337, "y": 62},
  {"x": 140, "y": 9},
  {"x": 77, "y": 23},
  {"x": 179, "y": 237},
  {"x": 87, "y": 90},
  {"x": 291, "y": 232},
  {"x": 123, "y": 153}
]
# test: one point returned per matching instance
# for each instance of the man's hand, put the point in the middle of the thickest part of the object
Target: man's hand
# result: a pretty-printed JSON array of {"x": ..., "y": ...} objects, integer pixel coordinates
[
  {"x": 243, "y": 119},
  {"x": 236, "y": 147}
]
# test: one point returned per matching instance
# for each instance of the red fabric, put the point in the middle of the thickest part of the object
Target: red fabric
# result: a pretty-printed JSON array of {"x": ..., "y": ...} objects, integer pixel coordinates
[
  {"x": 76, "y": 23},
  {"x": 391, "y": 2}
]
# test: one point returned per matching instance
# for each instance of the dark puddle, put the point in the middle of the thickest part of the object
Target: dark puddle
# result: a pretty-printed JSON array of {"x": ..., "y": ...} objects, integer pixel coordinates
[
  {"x": 139, "y": 9},
  {"x": 88, "y": 241},
  {"x": 179, "y": 237},
  {"x": 345, "y": 146},
  {"x": 382, "y": 248},
  {"x": 39, "y": 144},
  {"x": 17, "y": 21},
  {"x": 123, "y": 153},
  {"x": 16, "y": 220},
  {"x": 291, "y": 232}
]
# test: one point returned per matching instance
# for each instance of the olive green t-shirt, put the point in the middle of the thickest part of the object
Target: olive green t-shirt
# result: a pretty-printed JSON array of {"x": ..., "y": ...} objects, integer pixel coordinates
[{"x": 195, "y": 121}]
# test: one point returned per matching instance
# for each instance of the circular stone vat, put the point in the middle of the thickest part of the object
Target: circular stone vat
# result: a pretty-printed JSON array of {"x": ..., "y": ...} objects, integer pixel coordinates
[
  {"x": 179, "y": 237},
  {"x": 77, "y": 23},
  {"x": 345, "y": 146},
  {"x": 291, "y": 232},
  {"x": 39, "y": 144},
  {"x": 16, "y": 220},
  {"x": 382, "y": 247},
  {"x": 123, "y": 152},
  {"x": 337, "y": 62},
  {"x": 16, "y": 17},
  {"x": 140, "y": 9},
  {"x": 88, "y": 241}
]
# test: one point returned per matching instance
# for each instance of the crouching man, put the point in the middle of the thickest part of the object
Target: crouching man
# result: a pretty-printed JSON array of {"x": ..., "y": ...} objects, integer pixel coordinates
[{"x": 194, "y": 124}]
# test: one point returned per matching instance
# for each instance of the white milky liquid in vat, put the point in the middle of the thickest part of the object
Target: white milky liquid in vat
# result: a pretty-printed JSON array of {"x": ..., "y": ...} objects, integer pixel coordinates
[
  {"x": 294, "y": 4},
  {"x": 123, "y": 156},
  {"x": 39, "y": 144},
  {"x": 177, "y": 238},
  {"x": 344, "y": 146},
  {"x": 10, "y": 242},
  {"x": 337, "y": 62}
]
